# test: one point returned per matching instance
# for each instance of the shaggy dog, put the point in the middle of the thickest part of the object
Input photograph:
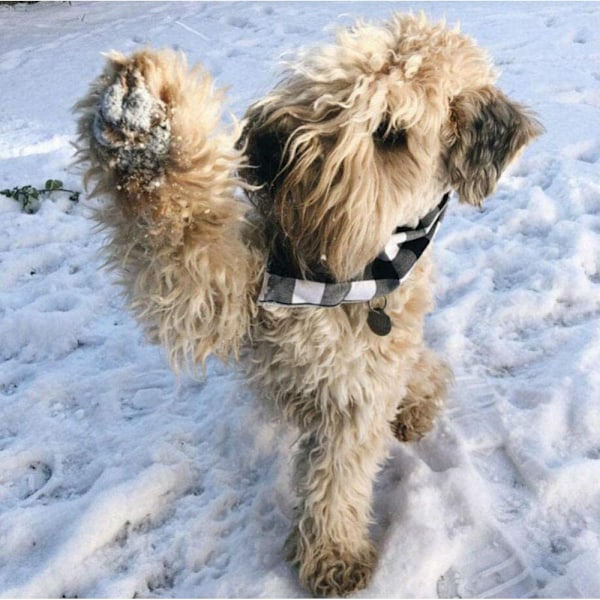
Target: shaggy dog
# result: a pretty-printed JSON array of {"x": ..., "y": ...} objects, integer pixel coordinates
[{"x": 210, "y": 224}]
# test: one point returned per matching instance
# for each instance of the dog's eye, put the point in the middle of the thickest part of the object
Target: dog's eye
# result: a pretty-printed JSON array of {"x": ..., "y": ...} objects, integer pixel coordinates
[{"x": 386, "y": 137}]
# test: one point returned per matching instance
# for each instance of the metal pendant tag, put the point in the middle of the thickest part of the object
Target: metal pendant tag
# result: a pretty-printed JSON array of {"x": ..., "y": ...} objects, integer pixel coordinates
[{"x": 378, "y": 321}]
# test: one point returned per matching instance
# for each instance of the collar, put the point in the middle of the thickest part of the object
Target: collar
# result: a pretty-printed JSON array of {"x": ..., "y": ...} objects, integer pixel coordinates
[{"x": 379, "y": 278}]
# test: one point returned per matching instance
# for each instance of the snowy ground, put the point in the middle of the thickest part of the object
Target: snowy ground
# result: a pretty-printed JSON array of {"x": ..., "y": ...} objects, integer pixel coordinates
[{"x": 118, "y": 480}]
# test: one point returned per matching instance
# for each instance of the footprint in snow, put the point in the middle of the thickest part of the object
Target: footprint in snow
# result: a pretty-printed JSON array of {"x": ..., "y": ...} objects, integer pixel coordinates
[
  {"x": 591, "y": 156},
  {"x": 490, "y": 566},
  {"x": 143, "y": 394},
  {"x": 24, "y": 481},
  {"x": 585, "y": 151},
  {"x": 238, "y": 21}
]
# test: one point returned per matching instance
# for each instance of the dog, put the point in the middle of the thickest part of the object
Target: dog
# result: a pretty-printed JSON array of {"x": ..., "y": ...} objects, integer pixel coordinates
[{"x": 298, "y": 240}]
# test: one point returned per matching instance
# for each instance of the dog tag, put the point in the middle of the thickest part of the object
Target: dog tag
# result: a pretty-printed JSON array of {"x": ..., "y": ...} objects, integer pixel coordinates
[{"x": 378, "y": 321}]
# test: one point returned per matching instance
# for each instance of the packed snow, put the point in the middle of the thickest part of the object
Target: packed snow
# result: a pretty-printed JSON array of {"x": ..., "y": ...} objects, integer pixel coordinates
[{"x": 119, "y": 479}]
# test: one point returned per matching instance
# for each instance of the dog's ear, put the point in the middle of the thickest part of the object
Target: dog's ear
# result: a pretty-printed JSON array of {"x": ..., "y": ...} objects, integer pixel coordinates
[
  {"x": 264, "y": 143},
  {"x": 488, "y": 131}
]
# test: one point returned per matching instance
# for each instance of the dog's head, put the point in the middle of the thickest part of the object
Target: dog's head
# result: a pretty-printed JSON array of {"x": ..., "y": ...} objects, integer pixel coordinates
[{"x": 370, "y": 132}]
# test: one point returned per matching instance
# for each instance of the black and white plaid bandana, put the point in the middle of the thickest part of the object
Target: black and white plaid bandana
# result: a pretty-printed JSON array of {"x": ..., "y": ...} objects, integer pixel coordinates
[{"x": 382, "y": 276}]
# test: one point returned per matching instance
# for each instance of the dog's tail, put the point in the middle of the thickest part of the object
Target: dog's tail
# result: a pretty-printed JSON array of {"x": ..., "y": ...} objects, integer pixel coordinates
[{"x": 151, "y": 137}]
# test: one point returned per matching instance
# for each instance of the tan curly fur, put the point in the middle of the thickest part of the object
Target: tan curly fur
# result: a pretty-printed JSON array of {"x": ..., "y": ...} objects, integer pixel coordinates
[
  {"x": 174, "y": 223},
  {"x": 358, "y": 137}
]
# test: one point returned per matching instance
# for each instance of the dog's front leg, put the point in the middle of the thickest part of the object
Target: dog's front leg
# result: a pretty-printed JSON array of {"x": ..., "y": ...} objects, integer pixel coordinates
[
  {"x": 425, "y": 397},
  {"x": 335, "y": 469},
  {"x": 149, "y": 132}
]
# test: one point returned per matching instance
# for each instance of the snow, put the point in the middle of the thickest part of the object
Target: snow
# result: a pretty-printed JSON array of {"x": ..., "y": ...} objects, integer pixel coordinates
[
  {"x": 118, "y": 479},
  {"x": 139, "y": 111}
]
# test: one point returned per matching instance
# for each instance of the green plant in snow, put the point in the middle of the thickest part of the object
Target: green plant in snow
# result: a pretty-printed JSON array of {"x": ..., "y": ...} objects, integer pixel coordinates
[{"x": 30, "y": 197}]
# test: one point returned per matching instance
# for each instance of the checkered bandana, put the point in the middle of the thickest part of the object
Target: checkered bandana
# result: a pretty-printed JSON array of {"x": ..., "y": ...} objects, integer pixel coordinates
[{"x": 379, "y": 278}]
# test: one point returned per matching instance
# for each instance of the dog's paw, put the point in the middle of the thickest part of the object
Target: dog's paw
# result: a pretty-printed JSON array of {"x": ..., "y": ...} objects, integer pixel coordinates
[
  {"x": 329, "y": 571},
  {"x": 131, "y": 125},
  {"x": 425, "y": 396},
  {"x": 341, "y": 576},
  {"x": 413, "y": 422}
]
